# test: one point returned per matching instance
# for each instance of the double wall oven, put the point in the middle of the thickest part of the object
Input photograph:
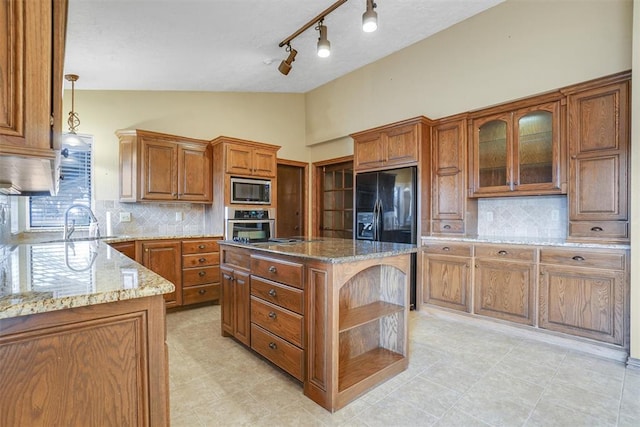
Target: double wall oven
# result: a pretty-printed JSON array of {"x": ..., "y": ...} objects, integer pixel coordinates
[{"x": 249, "y": 225}]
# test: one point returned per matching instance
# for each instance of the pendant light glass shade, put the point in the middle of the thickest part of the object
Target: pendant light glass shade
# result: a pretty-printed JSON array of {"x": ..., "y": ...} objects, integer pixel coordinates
[
  {"x": 324, "y": 47},
  {"x": 370, "y": 18}
]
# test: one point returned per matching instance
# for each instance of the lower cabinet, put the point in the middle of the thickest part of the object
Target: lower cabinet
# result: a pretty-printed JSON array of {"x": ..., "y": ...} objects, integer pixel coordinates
[
  {"x": 584, "y": 293},
  {"x": 581, "y": 291},
  {"x": 200, "y": 271},
  {"x": 235, "y": 294},
  {"x": 163, "y": 257},
  {"x": 446, "y": 275},
  {"x": 504, "y": 283}
]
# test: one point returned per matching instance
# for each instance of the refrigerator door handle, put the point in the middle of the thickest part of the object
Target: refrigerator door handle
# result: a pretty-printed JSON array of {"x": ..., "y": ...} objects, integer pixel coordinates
[{"x": 376, "y": 215}]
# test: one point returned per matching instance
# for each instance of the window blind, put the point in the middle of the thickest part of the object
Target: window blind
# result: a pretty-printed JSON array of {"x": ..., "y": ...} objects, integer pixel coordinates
[{"x": 75, "y": 188}]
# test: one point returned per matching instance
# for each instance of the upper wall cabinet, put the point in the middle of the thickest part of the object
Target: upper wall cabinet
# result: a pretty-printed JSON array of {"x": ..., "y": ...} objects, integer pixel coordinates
[
  {"x": 244, "y": 159},
  {"x": 599, "y": 142},
  {"x": 397, "y": 144},
  {"x": 32, "y": 37},
  {"x": 160, "y": 167},
  {"x": 517, "y": 151}
]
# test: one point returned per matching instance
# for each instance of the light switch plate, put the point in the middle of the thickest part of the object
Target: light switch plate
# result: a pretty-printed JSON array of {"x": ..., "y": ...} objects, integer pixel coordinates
[{"x": 125, "y": 216}]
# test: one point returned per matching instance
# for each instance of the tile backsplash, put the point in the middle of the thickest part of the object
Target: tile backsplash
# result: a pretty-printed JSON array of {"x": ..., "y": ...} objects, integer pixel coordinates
[
  {"x": 5, "y": 218},
  {"x": 150, "y": 219},
  {"x": 535, "y": 216}
]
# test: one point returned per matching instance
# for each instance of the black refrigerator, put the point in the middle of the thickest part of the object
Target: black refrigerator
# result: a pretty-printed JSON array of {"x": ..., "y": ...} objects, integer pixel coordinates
[{"x": 386, "y": 210}]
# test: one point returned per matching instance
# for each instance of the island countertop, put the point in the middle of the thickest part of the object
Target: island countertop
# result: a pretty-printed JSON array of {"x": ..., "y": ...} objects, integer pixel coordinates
[
  {"x": 38, "y": 278},
  {"x": 329, "y": 250}
]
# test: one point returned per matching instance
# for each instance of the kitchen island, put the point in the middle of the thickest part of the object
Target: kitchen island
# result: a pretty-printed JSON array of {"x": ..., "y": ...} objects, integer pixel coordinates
[
  {"x": 330, "y": 312},
  {"x": 82, "y": 337}
]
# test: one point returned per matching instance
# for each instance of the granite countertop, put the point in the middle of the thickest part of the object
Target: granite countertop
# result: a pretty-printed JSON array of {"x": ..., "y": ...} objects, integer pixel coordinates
[
  {"x": 330, "y": 250},
  {"x": 42, "y": 277},
  {"x": 56, "y": 237},
  {"x": 529, "y": 241}
]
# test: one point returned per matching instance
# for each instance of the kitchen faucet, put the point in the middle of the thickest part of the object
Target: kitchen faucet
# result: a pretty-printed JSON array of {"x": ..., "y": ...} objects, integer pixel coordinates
[{"x": 69, "y": 229}]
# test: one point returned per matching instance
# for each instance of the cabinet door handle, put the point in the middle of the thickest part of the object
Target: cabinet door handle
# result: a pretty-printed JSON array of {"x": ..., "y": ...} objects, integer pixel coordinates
[
  {"x": 202, "y": 260},
  {"x": 202, "y": 291},
  {"x": 503, "y": 252},
  {"x": 272, "y": 292},
  {"x": 201, "y": 246},
  {"x": 272, "y": 315},
  {"x": 272, "y": 346},
  {"x": 446, "y": 249},
  {"x": 272, "y": 269},
  {"x": 596, "y": 229},
  {"x": 447, "y": 227},
  {"x": 577, "y": 258},
  {"x": 202, "y": 273}
]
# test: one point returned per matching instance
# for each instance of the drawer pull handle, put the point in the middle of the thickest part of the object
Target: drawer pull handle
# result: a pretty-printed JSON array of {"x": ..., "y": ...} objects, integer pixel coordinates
[
  {"x": 272, "y": 315},
  {"x": 503, "y": 253},
  {"x": 202, "y": 273},
  {"x": 272, "y": 269},
  {"x": 272, "y": 292},
  {"x": 447, "y": 227},
  {"x": 202, "y": 260},
  {"x": 596, "y": 229},
  {"x": 446, "y": 249},
  {"x": 577, "y": 258},
  {"x": 272, "y": 346},
  {"x": 201, "y": 246},
  {"x": 202, "y": 291}
]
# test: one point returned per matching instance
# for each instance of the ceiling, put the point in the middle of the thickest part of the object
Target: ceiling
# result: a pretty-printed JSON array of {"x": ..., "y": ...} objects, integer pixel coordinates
[{"x": 232, "y": 45}]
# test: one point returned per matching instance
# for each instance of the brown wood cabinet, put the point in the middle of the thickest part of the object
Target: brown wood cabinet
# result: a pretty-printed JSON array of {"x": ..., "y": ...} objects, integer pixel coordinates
[
  {"x": 160, "y": 167},
  {"x": 277, "y": 315},
  {"x": 200, "y": 271},
  {"x": 163, "y": 257},
  {"x": 599, "y": 144},
  {"x": 516, "y": 149},
  {"x": 585, "y": 293},
  {"x": 104, "y": 364},
  {"x": 235, "y": 296},
  {"x": 32, "y": 42},
  {"x": 446, "y": 275},
  {"x": 451, "y": 211},
  {"x": 243, "y": 159},
  {"x": 394, "y": 145},
  {"x": 505, "y": 282},
  {"x": 126, "y": 248}
]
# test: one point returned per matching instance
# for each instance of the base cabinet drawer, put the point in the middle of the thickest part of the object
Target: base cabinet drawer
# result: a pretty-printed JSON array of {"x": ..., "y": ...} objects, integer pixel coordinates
[
  {"x": 200, "y": 276},
  {"x": 282, "y": 295},
  {"x": 203, "y": 293},
  {"x": 278, "y": 270},
  {"x": 284, "y": 323},
  {"x": 285, "y": 355}
]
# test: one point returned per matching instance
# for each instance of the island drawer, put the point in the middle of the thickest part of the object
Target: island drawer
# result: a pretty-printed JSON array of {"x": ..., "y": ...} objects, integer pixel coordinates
[
  {"x": 200, "y": 276},
  {"x": 512, "y": 253},
  {"x": 612, "y": 260},
  {"x": 281, "y": 271},
  {"x": 280, "y": 321},
  {"x": 236, "y": 257},
  {"x": 287, "y": 356},
  {"x": 197, "y": 260},
  {"x": 448, "y": 248},
  {"x": 202, "y": 293},
  {"x": 199, "y": 246},
  {"x": 282, "y": 295}
]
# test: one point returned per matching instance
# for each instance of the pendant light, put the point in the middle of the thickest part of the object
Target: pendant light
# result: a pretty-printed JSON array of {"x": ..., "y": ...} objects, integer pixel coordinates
[
  {"x": 73, "y": 121},
  {"x": 370, "y": 18}
]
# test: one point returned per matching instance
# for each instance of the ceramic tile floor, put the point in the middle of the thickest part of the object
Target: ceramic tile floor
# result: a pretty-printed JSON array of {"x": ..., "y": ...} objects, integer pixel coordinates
[{"x": 459, "y": 374}]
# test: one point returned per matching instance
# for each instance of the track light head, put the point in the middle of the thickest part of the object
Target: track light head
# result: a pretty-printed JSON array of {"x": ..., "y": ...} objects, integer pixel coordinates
[
  {"x": 324, "y": 47},
  {"x": 370, "y": 18},
  {"x": 285, "y": 66}
]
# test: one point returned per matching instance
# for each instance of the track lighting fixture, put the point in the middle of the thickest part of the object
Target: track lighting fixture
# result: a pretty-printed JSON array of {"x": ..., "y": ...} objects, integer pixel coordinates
[
  {"x": 285, "y": 66},
  {"x": 370, "y": 18},
  {"x": 324, "y": 47},
  {"x": 369, "y": 24}
]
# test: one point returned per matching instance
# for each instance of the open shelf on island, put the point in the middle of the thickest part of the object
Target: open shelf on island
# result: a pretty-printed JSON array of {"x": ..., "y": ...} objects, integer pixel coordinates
[
  {"x": 353, "y": 371},
  {"x": 354, "y": 317}
]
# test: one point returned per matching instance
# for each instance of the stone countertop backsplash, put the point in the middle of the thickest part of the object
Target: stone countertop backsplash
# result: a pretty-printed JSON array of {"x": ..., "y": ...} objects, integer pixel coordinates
[{"x": 43, "y": 277}]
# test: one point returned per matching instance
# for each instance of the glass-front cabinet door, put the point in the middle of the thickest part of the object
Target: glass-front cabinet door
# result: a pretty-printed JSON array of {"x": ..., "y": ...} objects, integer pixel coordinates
[{"x": 517, "y": 152}]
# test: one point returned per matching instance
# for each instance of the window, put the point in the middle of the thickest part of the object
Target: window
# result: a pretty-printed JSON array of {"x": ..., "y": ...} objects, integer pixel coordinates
[{"x": 75, "y": 187}]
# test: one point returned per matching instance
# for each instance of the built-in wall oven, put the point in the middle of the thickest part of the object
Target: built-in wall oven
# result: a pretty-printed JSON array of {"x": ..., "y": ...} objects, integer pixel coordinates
[{"x": 249, "y": 225}]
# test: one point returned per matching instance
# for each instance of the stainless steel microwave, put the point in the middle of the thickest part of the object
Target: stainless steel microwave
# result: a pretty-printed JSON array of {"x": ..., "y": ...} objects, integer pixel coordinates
[{"x": 247, "y": 191}]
